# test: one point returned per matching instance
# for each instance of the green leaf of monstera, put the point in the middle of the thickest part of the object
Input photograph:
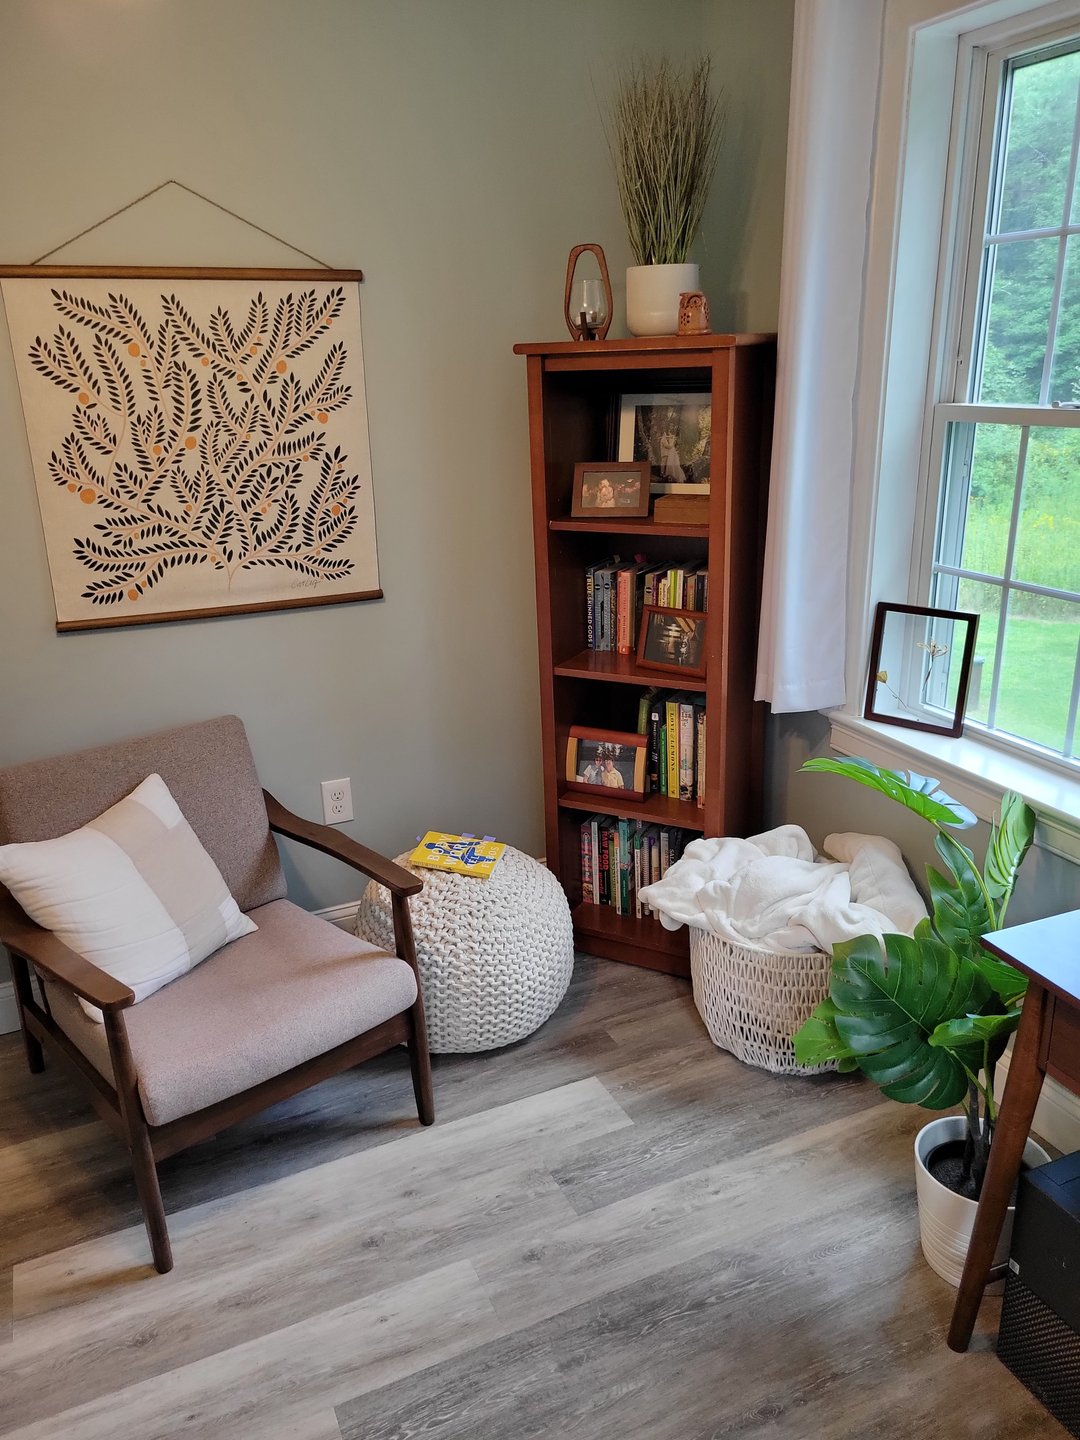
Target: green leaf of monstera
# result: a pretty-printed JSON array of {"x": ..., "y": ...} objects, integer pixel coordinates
[
  {"x": 888, "y": 1006},
  {"x": 1010, "y": 840},
  {"x": 818, "y": 1041},
  {"x": 967, "y": 1030},
  {"x": 917, "y": 792},
  {"x": 961, "y": 915}
]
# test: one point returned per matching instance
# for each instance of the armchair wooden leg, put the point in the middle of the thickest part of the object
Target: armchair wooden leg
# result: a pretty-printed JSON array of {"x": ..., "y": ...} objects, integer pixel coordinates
[
  {"x": 20, "y": 974},
  {"x": 420, "y": 1060},
  {"x": 419, "y": 1054},
  {"x": 138, "y": 1138}
]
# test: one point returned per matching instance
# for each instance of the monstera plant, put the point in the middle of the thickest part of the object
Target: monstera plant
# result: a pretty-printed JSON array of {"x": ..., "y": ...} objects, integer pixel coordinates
[{"x": 928, "y": 1018}]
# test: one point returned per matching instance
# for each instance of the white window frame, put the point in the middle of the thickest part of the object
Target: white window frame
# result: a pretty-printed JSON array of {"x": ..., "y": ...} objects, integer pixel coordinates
[
  {"x": 975, "y": 128},
  {"x": 907, "y": 339}
]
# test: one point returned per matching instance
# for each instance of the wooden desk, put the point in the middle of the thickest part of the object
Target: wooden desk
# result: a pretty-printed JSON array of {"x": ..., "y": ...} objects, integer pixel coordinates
[{"x": 1047, "y": 1043}]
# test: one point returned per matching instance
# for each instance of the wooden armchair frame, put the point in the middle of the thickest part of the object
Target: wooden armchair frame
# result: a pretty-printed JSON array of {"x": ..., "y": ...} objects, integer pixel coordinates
[{"x": 120, "y": 1106}]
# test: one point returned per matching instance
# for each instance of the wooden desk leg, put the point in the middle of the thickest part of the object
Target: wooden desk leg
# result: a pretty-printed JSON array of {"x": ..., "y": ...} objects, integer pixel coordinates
[{"x": 1010, "y": 1136}]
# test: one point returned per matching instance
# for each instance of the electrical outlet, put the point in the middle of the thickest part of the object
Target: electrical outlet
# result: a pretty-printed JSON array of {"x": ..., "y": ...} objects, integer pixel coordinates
[{"x": 337, "y": 801}]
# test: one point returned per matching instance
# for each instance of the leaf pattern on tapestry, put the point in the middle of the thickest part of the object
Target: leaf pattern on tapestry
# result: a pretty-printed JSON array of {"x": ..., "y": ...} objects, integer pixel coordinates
[{"x": 199, "y": 443}]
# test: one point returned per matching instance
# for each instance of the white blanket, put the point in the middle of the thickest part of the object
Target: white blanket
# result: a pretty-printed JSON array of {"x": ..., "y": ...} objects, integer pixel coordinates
[{"x": 771, "y": 892}]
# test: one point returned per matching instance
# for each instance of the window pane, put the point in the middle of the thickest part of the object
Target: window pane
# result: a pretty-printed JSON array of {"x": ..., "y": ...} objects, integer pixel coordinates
[
  {"x": 990, "y": 497},
  {"x": 1018, "y": 316},
  {"x": 1065, "y": 372},
  {"x": 1037, "y": 669},
  {"x": 985, "y": 600},
  {"x": 1040, "y": 126},
  {"x": 1048, "y": 538}
]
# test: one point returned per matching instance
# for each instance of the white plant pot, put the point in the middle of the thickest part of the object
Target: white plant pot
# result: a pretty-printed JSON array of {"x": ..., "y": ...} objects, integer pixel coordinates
[
  {"x": 945, "y": 1218},
  {"x": 652, "y": 297}
]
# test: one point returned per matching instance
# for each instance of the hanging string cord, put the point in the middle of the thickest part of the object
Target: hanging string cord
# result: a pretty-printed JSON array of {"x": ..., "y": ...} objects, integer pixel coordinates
[{"x": 198, "y": 196}]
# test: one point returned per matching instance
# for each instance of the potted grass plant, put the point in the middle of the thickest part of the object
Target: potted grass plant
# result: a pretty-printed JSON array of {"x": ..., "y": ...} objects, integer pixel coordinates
[
  {"x": 665, "y": 128},
  {"x": 928, "y": 1018}
]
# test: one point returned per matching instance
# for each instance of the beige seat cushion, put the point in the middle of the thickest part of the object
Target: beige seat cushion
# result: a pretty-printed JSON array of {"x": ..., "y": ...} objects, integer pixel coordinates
[{"x": 294, "y": 989}]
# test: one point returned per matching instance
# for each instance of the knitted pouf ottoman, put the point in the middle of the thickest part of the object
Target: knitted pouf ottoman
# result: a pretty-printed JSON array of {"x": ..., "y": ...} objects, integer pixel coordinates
[{"x": 495, "y": 955}]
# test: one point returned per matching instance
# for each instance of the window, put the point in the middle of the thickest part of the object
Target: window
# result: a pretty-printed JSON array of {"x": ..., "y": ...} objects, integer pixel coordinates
[{"x": 1006, "y": 431}]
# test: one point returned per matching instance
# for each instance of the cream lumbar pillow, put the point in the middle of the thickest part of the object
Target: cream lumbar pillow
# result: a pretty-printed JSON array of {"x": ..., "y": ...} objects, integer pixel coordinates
[{"x": 133, "y": 891}]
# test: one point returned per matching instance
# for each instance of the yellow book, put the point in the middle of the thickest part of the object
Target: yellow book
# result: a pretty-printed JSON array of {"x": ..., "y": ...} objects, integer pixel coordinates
[
  {"x": 463, "y": 854},
  {"x": 671, "y": 719}
]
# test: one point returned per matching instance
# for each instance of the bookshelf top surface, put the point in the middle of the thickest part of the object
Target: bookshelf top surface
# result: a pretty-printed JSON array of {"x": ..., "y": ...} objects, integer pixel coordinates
[{"x": 643, "y": 345}]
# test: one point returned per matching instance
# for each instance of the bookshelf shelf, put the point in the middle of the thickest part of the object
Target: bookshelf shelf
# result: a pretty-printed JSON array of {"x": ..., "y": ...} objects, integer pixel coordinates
[
  {"x": 623, "y": 670},
  {"x": 575, "y": 394},
  {"x": 602, "y": 932},
  {"x": 631, "y": 527},
  {"x": 656, "y": 809}
]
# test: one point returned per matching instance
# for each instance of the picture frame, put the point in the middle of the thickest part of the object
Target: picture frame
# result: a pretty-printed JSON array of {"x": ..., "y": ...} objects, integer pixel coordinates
[
  {"x": 672, "y": 433},
  {"x": 608, "y": 490},
  {"x": 594, "y": 757},
  {"x": 672, "y": 640},
  {"x": 921, "y": 662}
]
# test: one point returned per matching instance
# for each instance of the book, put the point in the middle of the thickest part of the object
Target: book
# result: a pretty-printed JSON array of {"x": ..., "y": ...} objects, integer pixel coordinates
[
  {"x": 588, "y": 894},
  {"x": 603, "y": 606},
  {"x": 628, "y": 609},
  {"x": 590, "y": 600},
  {"x": 604, "y": 863},
  {"x": 644, "y": 709},
  {"x": 655, "y": 724},
  {"x": 461, "y": 854},
  {"x": 671, "y": 721},
  {"x": 626, "y": 867},
  {"x": 699, "y": 752},
  {"x": 687, "y": 729}
]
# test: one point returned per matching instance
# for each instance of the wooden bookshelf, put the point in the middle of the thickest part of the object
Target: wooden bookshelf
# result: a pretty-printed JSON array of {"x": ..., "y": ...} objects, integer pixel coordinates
[{"x": 574, "y": 393}]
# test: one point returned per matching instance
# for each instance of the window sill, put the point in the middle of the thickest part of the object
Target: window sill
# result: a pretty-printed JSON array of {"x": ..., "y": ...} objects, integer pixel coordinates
[{"x": 975, "y": 773}]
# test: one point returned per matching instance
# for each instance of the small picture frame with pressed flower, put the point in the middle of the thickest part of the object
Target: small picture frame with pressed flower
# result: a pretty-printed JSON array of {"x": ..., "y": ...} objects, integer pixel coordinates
[{"x": 921, "y": 667}]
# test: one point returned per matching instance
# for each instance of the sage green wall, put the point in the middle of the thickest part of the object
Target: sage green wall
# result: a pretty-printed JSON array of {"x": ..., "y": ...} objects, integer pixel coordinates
[
  {"x": 451, "y": 148},
  {"x": 739, "y": 250}
]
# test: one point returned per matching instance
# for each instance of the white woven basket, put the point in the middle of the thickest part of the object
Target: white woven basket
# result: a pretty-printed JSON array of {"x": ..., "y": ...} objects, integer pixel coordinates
[
  {"x": 495, "y": 956},
  {"x": 753, "y": 1001}
]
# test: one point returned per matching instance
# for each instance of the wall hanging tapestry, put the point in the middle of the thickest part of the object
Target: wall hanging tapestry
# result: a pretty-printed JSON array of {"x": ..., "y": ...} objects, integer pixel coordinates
[{"x": 199, "y": 439}]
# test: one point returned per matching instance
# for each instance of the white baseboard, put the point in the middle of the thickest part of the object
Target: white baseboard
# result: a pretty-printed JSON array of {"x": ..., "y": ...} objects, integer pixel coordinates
[
  {"x": 9, "y": 1016},
  {"x": 1057, "y": 1118},
  {"x": 343, "y": 916}
]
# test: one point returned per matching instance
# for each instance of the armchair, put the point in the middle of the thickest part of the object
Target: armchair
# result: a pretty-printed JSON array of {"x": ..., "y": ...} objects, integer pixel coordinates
[{"x": 262, "y": 1019}]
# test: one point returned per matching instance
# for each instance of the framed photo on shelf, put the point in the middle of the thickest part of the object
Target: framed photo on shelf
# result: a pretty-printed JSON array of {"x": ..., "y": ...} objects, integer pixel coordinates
[
  {"x": 673, "y": 434},
  {"x": 921, "y": 666},
  {"x": 607, "y": 491},
  {"x": 607, "y": 760},
  {"x": 672, "y": 640}
]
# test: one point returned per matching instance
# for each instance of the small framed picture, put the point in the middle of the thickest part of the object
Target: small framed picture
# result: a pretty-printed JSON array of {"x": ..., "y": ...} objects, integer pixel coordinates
[
  {"x": 673, "y": 434},
  {"x": 609, "y": 760},
  {"x": 920, "y": 667},
  {"x": 617, "y": 488},
  {"x": 672, "y": 640}
]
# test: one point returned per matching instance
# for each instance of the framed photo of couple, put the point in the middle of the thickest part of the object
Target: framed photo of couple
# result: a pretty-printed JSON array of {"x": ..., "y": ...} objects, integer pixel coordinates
[
  {"x": 673, "y": 435},
  {"x": 610, "y": 761}
]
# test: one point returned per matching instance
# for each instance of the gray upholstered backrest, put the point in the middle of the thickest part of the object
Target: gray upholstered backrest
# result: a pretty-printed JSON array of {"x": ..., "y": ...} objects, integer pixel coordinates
[{"x": 210, "y": 771}]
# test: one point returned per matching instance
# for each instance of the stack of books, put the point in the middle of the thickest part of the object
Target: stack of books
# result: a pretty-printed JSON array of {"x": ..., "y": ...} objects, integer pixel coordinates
[
  {"x": 620, "y": 857},
  {"x": 675, "y": 724},
  {"x": 616, "y": 593}
]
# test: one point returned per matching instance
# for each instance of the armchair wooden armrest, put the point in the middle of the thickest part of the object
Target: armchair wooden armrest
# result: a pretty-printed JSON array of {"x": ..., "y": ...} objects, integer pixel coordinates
[
  {"x": 42, "y": 949},
  {"x": 322, "y": 837}
]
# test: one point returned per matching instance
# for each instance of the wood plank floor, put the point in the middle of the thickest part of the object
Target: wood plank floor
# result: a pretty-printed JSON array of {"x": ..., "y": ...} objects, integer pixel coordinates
[{"x": 613, "y": 1230}]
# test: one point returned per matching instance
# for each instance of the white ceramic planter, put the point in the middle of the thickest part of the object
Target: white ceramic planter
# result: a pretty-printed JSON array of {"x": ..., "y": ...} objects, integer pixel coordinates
[
  {"x": 652, "y": 297},
  {"x": 945, "y": 1218}
]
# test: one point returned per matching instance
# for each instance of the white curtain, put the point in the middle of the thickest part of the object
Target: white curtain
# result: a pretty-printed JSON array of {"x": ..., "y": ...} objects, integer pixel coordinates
[{"x": 834, "y": 94}]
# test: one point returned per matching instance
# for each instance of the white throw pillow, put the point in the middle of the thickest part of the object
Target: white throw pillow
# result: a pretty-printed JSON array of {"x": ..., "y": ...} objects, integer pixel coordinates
[{"x": 133, "y": 891}]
